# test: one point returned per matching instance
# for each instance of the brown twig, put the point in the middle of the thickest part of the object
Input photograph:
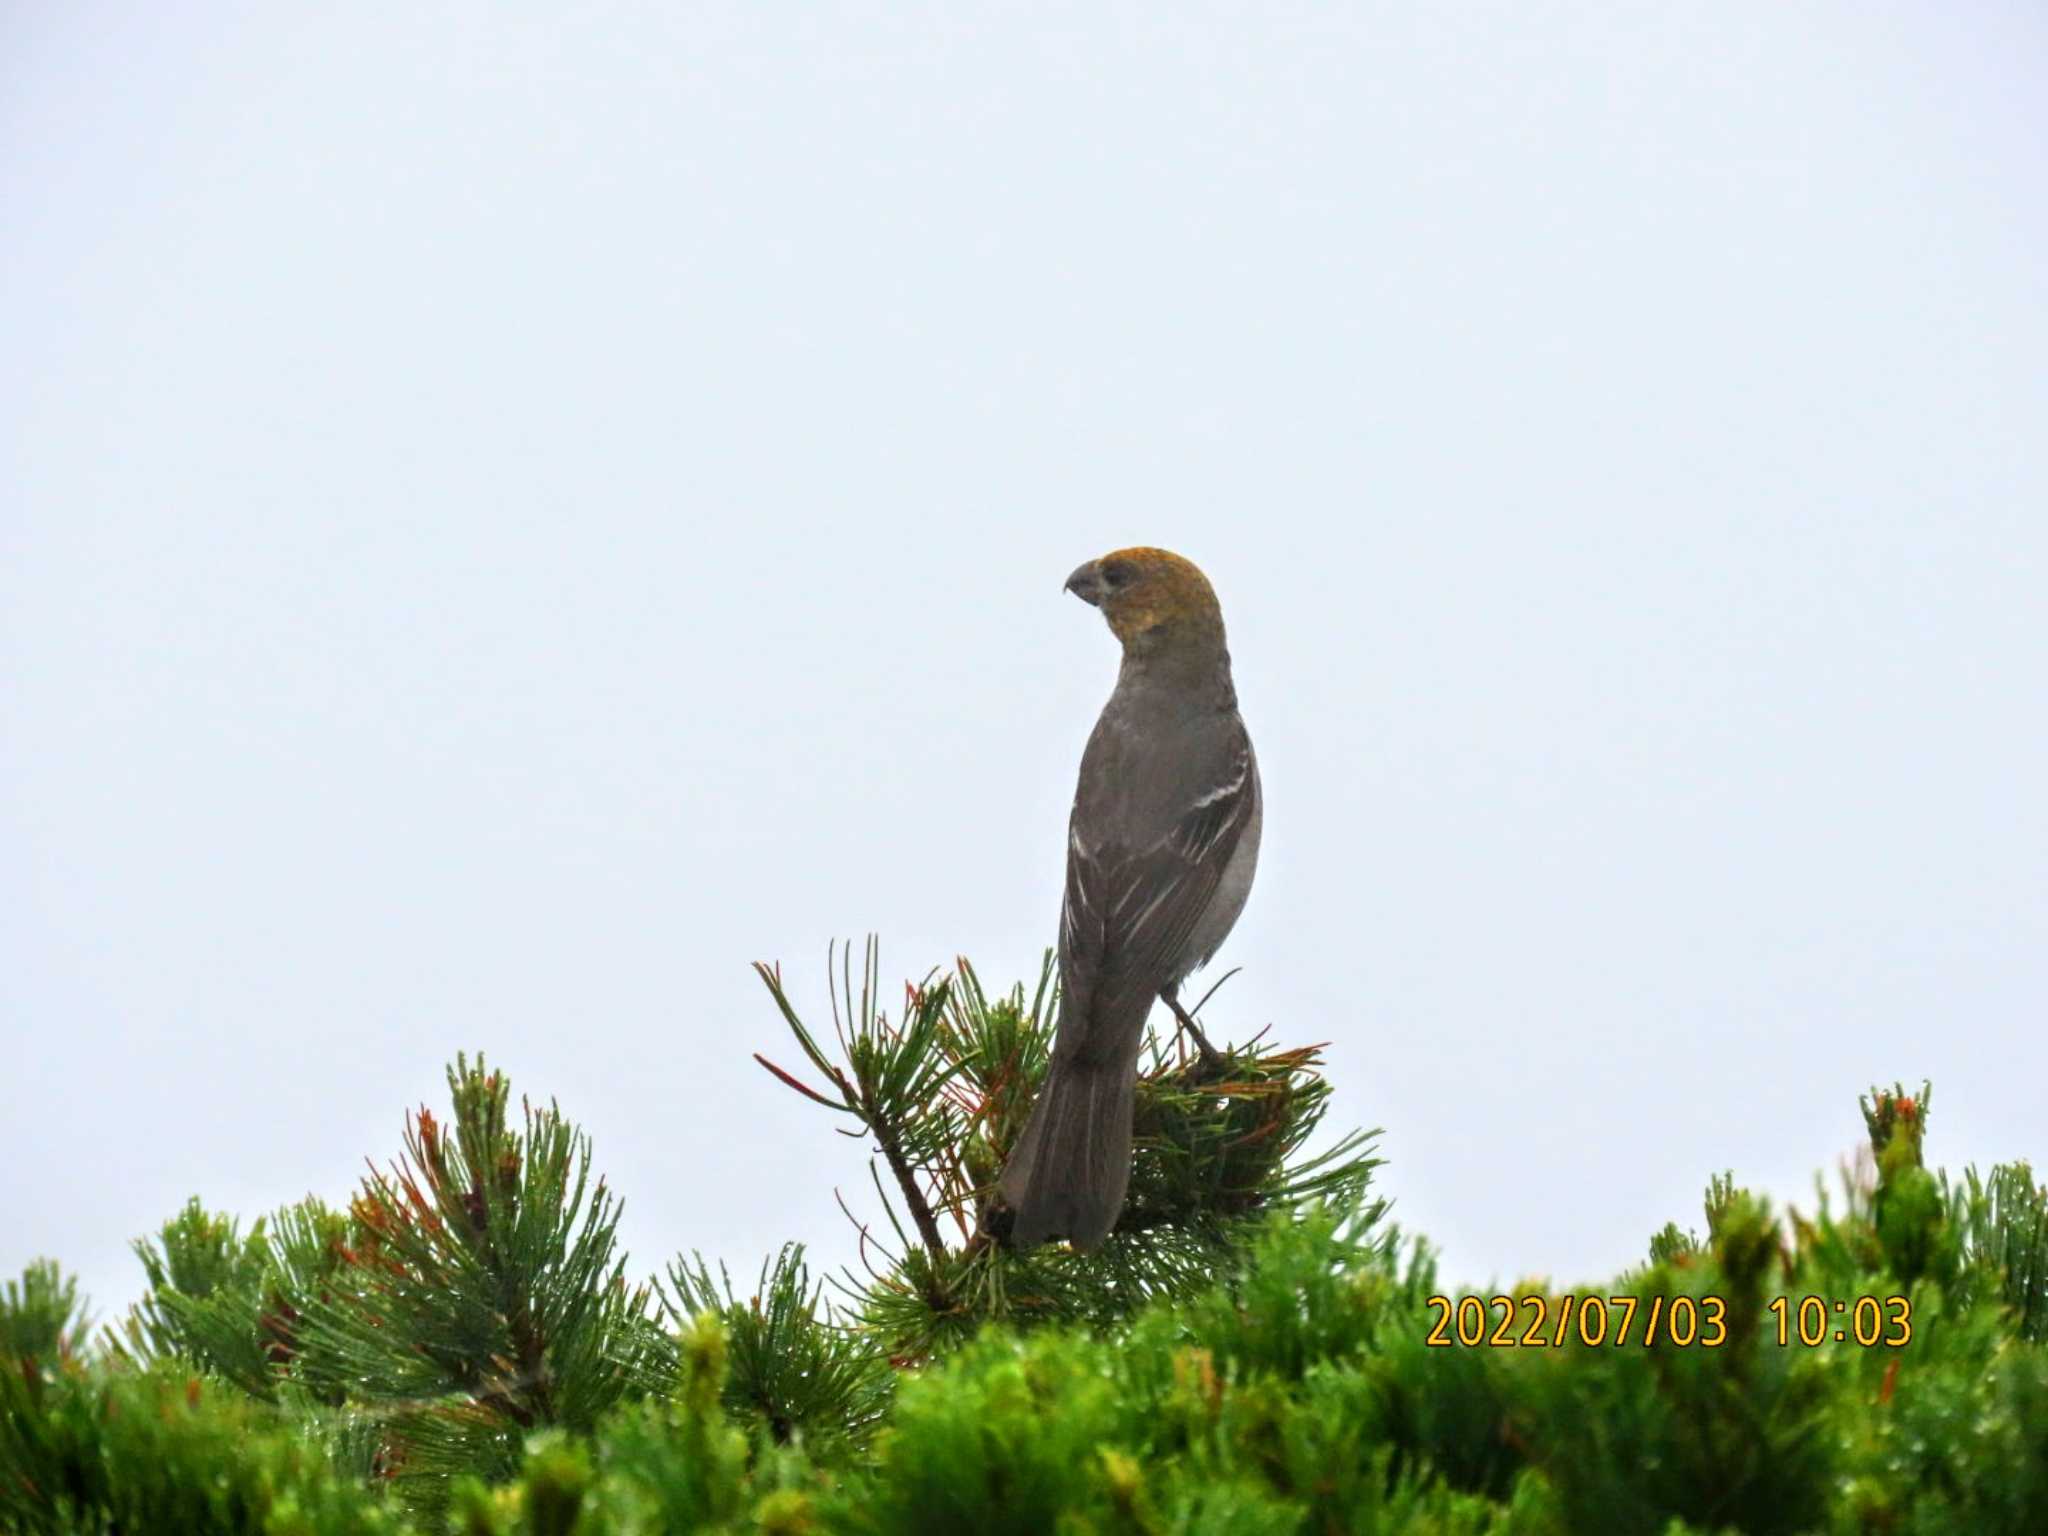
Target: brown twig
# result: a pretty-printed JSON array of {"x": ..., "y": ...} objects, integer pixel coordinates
[{"x": 906, "y": 1180}]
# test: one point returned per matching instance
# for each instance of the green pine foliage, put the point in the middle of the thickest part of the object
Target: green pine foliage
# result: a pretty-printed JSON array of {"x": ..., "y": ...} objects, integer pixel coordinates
[
  {"x": 480, "y": 1295},
  {"x": 458, "y": 1348},
  {"x": 471, "y": 1293},
  {"x": 205, "y": 1300},
  {"x": 161, "y": 1448},
  {"x": 42, "y": 1320},
  {"x": 789, "y": 1369}
]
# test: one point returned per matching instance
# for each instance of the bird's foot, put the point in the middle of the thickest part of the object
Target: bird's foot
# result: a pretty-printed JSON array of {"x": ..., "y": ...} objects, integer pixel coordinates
[{"x": 1214, "y": 1062}]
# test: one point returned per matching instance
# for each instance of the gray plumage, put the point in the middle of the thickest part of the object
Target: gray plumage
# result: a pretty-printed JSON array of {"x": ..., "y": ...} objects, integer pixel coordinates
[{"x": 1161, "y": 849}]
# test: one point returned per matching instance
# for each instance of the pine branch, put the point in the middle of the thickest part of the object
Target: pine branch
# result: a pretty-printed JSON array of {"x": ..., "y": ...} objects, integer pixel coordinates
[
  {"x": 892, "y": 1081},
  {"x": 944, "y": 1097}
]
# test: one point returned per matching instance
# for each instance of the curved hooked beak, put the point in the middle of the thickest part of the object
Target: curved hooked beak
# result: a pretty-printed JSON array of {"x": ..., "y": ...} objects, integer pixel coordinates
[{"x": 1086, "y": 583}]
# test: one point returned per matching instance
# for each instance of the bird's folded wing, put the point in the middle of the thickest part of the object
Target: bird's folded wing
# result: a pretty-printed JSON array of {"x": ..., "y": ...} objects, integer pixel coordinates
[{"x": 1130, "y": 910}]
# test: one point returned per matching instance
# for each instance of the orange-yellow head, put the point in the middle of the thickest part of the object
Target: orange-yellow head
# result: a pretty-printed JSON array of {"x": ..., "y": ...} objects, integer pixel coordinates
[{"x": 1153, "y": 599}]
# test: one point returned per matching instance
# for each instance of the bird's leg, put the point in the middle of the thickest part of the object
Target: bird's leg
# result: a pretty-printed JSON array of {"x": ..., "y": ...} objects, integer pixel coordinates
[{"x": 1212, "y": 1059}]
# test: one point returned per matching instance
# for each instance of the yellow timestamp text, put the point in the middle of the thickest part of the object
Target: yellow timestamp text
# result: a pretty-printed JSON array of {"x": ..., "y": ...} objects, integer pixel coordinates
[
  {"x": 1865, "y": 1320},
  {"x": 1551, "y": 1322}
]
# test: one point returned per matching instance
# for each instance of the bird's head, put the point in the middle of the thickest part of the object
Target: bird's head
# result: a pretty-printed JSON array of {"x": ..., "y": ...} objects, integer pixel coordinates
[{"x": 1152, "y": 598}]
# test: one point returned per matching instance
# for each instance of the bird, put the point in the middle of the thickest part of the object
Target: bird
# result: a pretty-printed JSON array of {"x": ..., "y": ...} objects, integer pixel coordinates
[{"x": 1161, "y": 848}]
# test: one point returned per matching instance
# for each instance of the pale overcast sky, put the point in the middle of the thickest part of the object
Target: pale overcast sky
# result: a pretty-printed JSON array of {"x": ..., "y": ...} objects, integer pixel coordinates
[{"x": 512, "y": 512}]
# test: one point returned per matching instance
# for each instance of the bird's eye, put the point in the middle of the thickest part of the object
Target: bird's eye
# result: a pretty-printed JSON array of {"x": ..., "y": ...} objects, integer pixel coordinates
[{"x": 1116, "y": 573}]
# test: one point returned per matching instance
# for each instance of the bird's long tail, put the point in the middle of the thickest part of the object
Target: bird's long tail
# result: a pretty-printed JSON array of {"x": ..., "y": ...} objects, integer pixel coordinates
[{"x": 1068, "y": 1172}]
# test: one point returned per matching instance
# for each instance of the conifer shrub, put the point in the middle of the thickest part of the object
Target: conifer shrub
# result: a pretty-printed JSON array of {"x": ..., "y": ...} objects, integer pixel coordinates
[{"x": 458, "y": 1347}]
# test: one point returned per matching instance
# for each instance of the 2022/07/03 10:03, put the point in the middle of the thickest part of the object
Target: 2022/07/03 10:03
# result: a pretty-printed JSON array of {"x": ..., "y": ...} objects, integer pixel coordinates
[{"x": 1554, "y": 1321}]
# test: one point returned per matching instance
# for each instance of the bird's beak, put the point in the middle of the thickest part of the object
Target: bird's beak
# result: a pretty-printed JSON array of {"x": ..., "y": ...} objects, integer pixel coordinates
[{"x": 1086, "y": 584}]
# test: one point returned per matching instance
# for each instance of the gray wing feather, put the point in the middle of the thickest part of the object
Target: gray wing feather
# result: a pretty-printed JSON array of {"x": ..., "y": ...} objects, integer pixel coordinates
[{"x": 1139, "y": 878}]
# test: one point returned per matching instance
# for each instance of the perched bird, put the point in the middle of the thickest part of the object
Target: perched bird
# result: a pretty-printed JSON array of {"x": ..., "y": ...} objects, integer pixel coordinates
[{"x": 1160, "y": 852}]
